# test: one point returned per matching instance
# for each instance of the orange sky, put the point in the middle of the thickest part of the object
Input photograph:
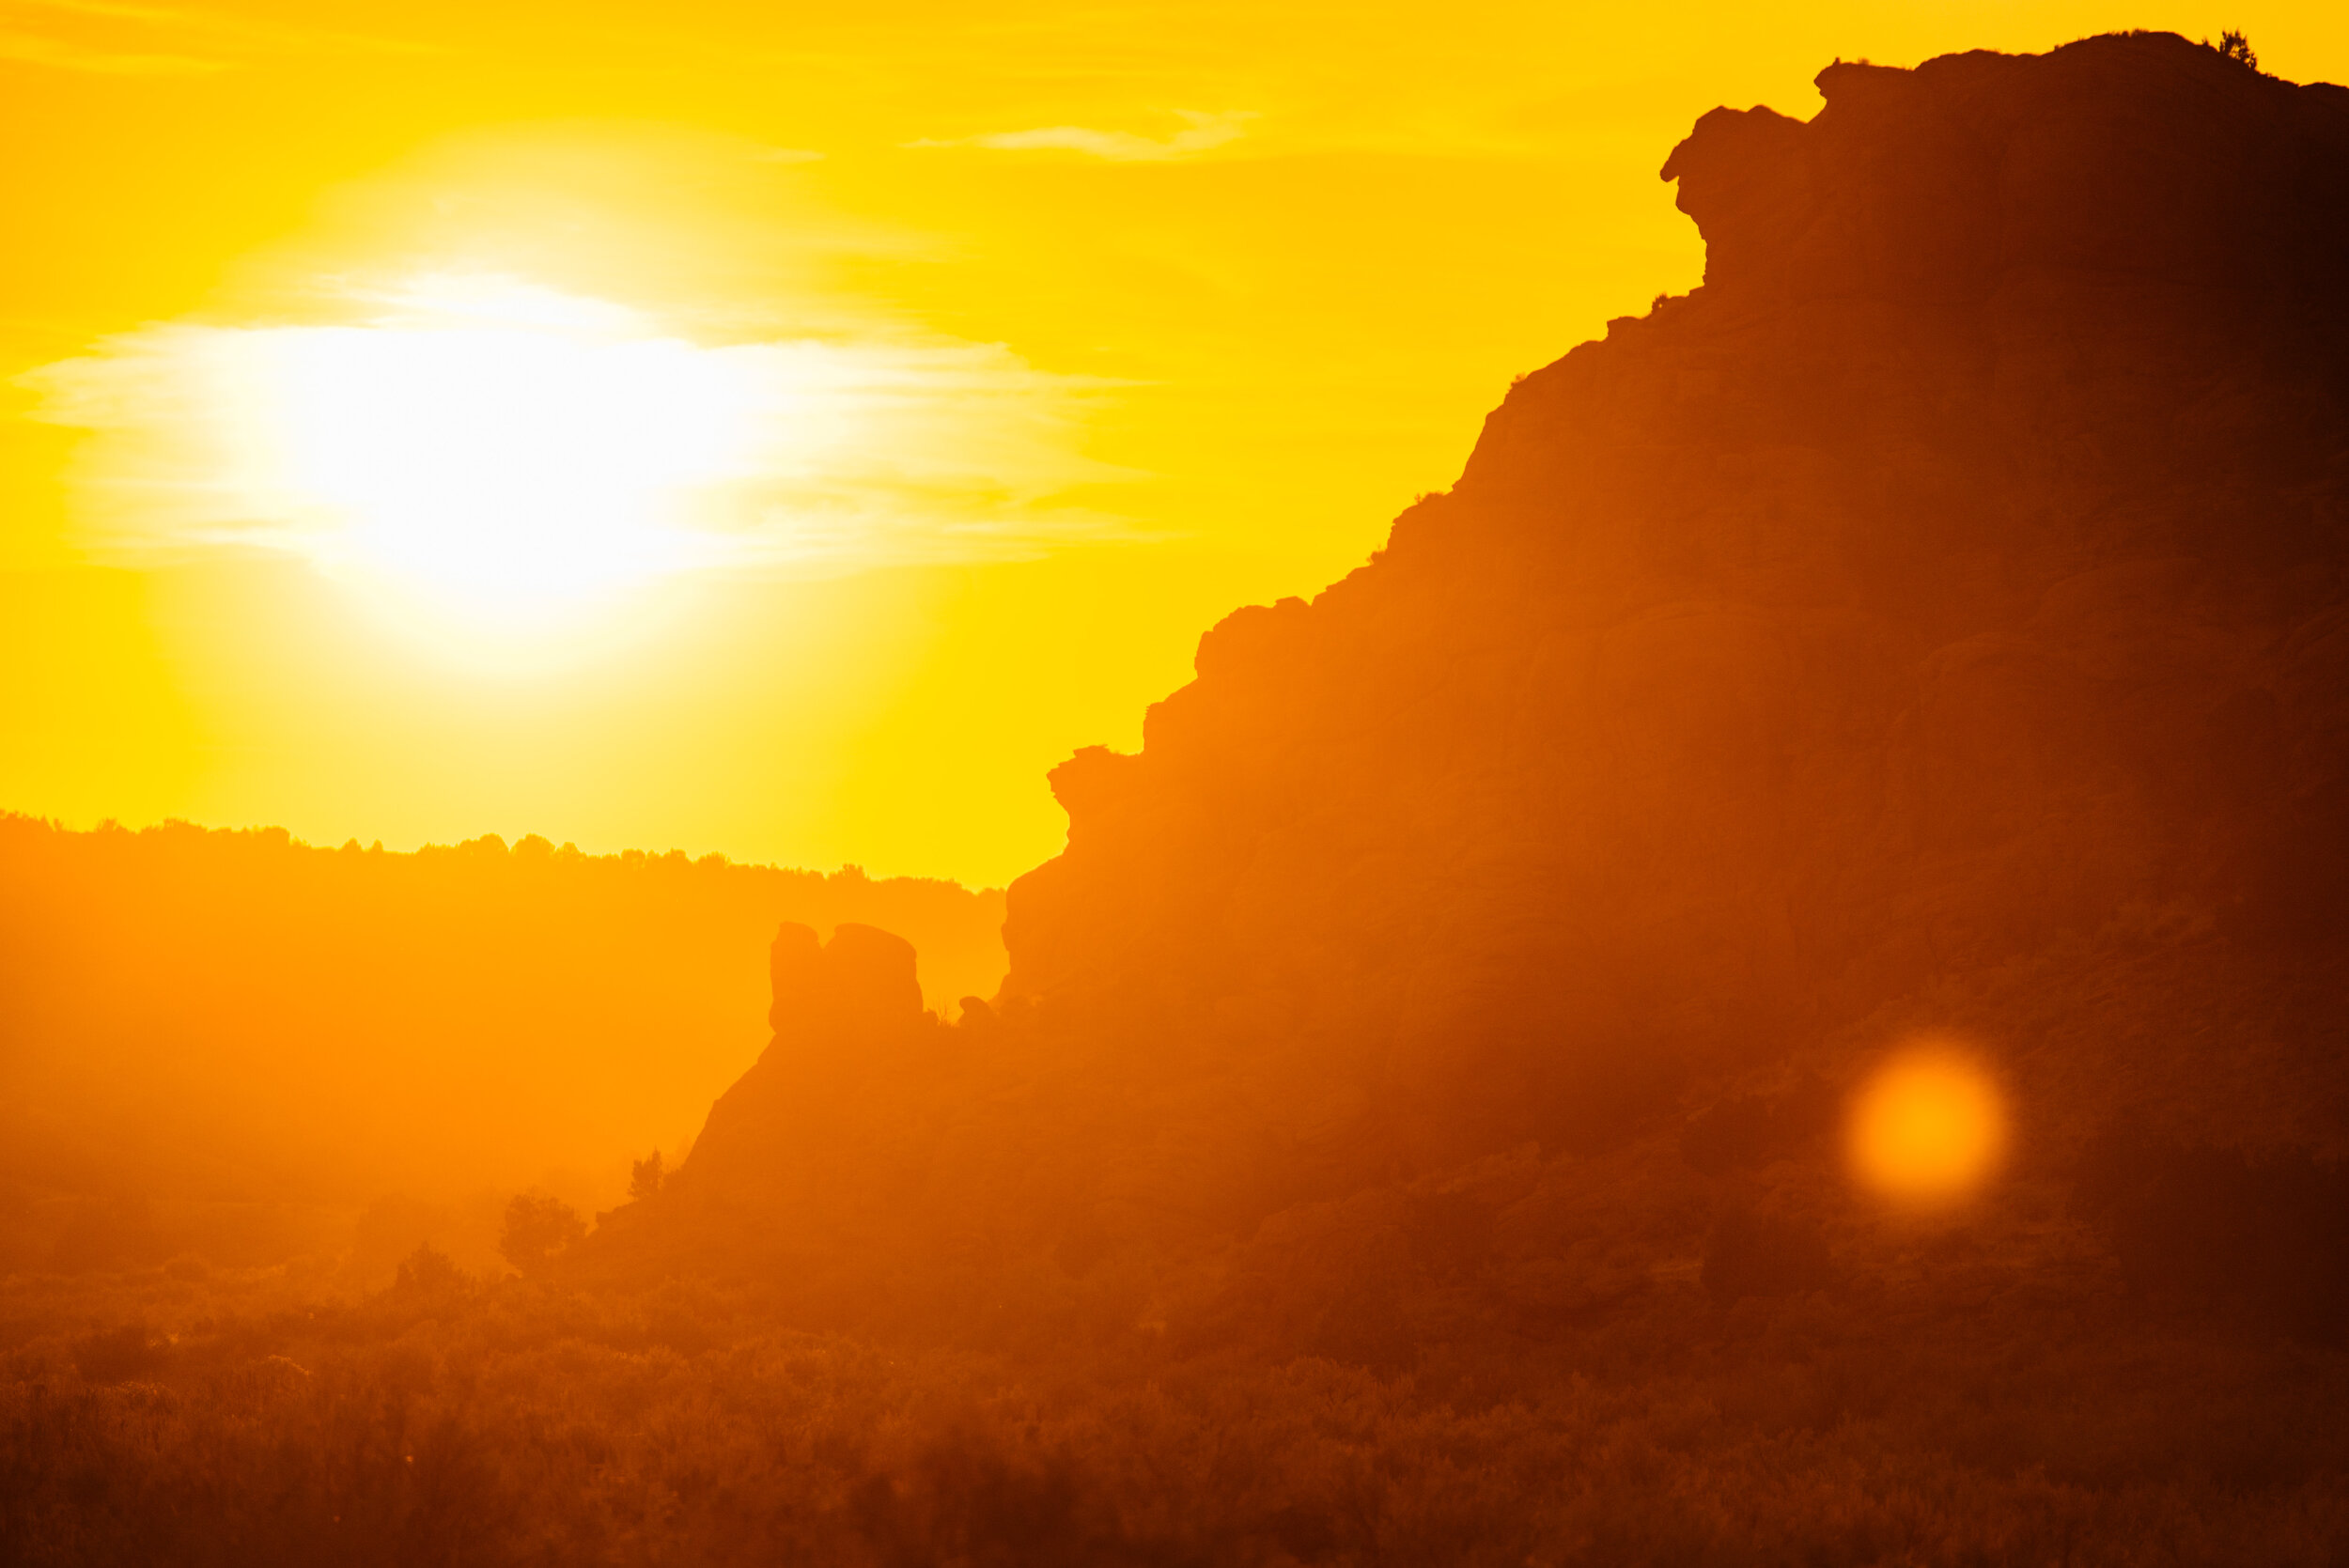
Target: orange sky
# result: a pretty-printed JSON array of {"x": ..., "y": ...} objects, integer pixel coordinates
[{"x": 1042, "y": 336}]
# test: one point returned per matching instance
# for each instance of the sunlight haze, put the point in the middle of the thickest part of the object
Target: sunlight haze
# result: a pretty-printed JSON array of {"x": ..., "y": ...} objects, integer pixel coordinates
[
  {"x": 1216, "y": 784},
  {"x": 782, "y": 435}
]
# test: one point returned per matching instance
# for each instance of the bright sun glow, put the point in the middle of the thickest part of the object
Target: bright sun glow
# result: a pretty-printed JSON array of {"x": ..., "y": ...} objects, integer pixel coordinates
[
  {"x": 494, "y": 457},
  {"x": 506, "y": 449},
  {"x": 1928, "y": 1129}
]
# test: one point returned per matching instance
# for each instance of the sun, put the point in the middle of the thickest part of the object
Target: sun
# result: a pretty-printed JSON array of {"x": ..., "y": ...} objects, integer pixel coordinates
[
  {"x": 494, "y": 449},
  {"x": 502, "y": 470}
]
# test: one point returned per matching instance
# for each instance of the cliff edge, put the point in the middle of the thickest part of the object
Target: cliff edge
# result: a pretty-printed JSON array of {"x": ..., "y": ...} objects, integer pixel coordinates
[{"x": 1935, "y": 621}]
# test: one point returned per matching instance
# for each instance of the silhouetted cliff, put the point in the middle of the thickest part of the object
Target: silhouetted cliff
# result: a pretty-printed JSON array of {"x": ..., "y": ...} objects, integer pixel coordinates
[
  {"x": 1937, "y": 620},
  {"x": 1960, "y": 566}
]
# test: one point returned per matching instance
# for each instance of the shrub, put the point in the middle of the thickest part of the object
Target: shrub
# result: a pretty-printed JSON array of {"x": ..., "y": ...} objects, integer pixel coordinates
[
  {"x": 429, "y": 1271},
  {"x": 644, "y": 1176},
  {"x": 538, "y": 1228},
  {"x": 2215, "y": 1230},
  {"x": 1759, "y": 1254}
]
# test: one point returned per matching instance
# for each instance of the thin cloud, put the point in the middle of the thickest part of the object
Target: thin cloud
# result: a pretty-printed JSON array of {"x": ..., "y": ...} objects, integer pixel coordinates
[
  {"x": 456, "y": 406},
  {"x": 188, "y": 42},
  {"x": 63, "y": 55},
  {"x": 111, "y": 10},
  {"x": 1202, "y": 132}
]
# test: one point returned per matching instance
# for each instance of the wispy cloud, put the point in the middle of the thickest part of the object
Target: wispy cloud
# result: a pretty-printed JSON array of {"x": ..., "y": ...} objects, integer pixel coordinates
[
  {"x": 122, "y": 37},
  {"x": 1202, "y": 132},
  {"x": 111, "y": 10},
  {"x": 65, "y": 54},
  {"x": 470, "y": 423}
]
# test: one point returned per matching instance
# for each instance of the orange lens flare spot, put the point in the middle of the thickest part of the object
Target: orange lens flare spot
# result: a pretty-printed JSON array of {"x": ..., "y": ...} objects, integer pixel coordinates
[{"x": 1928, "y": 1129}]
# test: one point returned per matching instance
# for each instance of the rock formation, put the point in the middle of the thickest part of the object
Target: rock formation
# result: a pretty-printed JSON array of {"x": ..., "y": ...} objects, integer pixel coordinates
[
  {"x": 1939, "y": 617},
  {"x": 1960, "y": 566},
  {"x": 846, "y": 1015},
  {"x": 860, "y": 983}
]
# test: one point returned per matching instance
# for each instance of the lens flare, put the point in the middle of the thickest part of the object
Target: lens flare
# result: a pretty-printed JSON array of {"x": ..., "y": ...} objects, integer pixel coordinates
[{"x": 1929, "y": 1129}]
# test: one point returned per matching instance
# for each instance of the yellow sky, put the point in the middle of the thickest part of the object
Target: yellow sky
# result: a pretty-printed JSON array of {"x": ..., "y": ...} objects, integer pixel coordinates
[{"x": 1140, "y": 313}]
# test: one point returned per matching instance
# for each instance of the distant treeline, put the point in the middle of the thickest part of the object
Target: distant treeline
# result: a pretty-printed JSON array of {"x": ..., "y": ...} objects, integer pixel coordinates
[{"x": 209, "y": 1019}]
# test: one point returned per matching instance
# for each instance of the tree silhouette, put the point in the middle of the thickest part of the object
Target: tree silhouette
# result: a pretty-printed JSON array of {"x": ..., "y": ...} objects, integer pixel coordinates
[
  {"x": 429, "y": 1271},
  {"x": 2235, "y": 46},
  {"x": 644, "y": 1176},
  {"x": 537, "y": 1228}
]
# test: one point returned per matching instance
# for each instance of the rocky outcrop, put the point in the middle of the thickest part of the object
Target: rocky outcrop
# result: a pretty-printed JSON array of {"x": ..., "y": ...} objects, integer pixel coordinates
[
  {"x": 847, "y": 1023},
  {"x": 860, "y": 985},
  {"x": 1959, "y": 567},
  {"x": 1938, "y": 619}
]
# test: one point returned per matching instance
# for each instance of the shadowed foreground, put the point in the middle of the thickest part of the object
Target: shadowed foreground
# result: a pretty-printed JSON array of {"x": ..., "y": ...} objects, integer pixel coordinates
[{"x": 516, "y": 1424}]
